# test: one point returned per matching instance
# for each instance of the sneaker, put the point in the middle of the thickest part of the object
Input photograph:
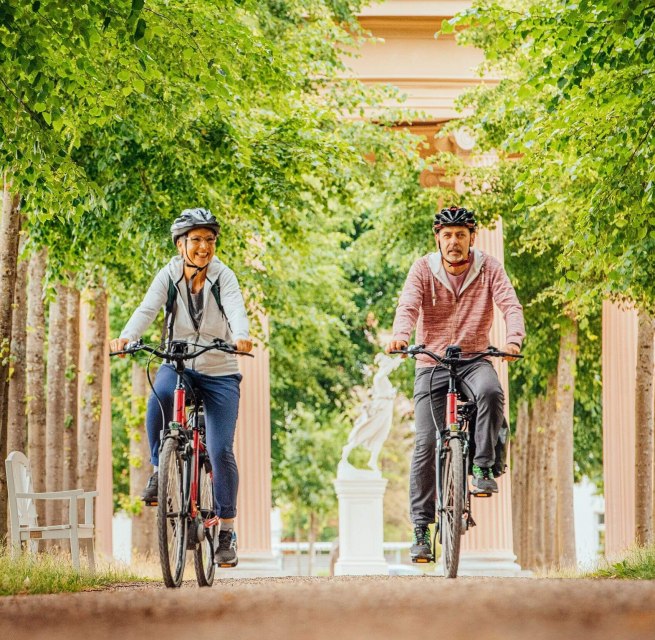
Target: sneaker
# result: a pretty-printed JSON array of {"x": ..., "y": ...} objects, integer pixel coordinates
[
  {"x": 226, "y": 554},
  {"x": 483, "y": 480},
  {"x": 421, "y": 549},
  {"x": 149, "y": 495}
]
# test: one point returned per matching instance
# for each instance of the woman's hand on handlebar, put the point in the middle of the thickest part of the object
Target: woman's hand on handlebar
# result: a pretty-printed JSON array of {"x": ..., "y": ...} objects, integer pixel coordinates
[
  {"x": 118, "y": 344},
  {"x": 397, "y": 345},
  {"x": 512, "y": 348},
  {"x": 244, "y": 345}
]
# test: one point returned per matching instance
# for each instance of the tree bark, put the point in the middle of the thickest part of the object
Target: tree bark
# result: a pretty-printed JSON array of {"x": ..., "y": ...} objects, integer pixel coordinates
[
  {"x": 549, "y": 477},
  {"x": 565, "y": 405},
  {"x": 529, "y": 534},
  {"x": 91, "y": 387},
  {"x": 644, "y": 430},
  {"x": 71, "y": 387},
  {"x": 17, "y": 410},
  {"x": 537, "y": 482},
  {"x": 143, "y": 523},
  {"x": 35, "y": 373},
  {"x": 56, "y": 380},
  {"x": 519, "y": 502},
  {"x": 312, "y": 541},
  {"x": 9, "y": 232}
]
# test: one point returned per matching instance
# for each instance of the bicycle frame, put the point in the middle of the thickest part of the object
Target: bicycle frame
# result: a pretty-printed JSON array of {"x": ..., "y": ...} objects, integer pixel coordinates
[
  {"x": 456, "y": 427},
  {"x": 180, "y": 424}
]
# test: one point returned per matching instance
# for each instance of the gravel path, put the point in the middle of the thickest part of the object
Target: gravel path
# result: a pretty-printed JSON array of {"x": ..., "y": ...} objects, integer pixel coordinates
[{"x": 361, "y": 608}]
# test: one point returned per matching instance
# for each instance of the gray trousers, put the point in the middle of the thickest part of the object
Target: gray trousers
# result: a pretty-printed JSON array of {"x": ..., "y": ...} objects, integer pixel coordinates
[{"x": 483, "y": 381}]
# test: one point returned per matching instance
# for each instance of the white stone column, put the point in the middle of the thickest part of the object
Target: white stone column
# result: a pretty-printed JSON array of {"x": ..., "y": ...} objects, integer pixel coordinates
[{"x": 361, "y": 530}]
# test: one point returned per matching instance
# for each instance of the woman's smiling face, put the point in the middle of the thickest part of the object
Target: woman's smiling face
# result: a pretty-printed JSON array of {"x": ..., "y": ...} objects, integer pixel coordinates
[{"x": 198, "y": 246}]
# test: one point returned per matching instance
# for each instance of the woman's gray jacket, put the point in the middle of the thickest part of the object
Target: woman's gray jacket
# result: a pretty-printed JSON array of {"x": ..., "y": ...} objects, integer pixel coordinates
[{"x": 230, "y": 327}]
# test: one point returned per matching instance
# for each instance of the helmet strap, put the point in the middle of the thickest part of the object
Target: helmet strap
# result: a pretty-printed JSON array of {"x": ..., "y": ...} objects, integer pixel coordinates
[
  {"x": 190, "y": 264},
  {"x": 461, "y": 263}
]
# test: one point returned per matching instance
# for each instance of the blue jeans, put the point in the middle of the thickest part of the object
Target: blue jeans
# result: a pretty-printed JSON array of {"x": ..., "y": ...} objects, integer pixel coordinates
[{"x": 220, "y": 395}]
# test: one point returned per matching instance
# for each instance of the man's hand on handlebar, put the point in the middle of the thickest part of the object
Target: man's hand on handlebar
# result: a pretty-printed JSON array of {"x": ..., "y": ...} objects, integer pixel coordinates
[
  {"x": 118, "y": 344},
  {"x": 512, "y": 348},
  {"x": 244, "y": 345},
  {"x": 397, "y": 345}
]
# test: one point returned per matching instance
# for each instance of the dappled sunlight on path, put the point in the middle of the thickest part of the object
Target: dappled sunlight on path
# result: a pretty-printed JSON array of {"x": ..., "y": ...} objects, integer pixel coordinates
[{"x": 327, "y": 608}]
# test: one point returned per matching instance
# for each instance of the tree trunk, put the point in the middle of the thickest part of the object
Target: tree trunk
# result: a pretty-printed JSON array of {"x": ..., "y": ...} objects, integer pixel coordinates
[
  {"x": 17, "y": 411},
  {"x": 537, "y": 484},
  {"x": 519, "y": 502},
  {"x": 644, "y": 433},
  {"x": 54, "y": 424},
  {"x": 298, "y": 551},
  {"x": 143, "y": 523},
  {"x": 529, "y": 485},
  {"x": 71, "y": 387},
  {"x": 565, "y": 404},
  {"x": 9, "y": 232},
  {"x": 312, "y": 541},
  {"x": 549, "y": 477},
  {"x": 35, "y": 373},
  {"x": 91, "y": 387}
]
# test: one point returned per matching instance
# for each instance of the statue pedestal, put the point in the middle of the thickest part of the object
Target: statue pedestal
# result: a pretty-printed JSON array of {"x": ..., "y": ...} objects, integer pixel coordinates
[{"x": 361, "y": 531}]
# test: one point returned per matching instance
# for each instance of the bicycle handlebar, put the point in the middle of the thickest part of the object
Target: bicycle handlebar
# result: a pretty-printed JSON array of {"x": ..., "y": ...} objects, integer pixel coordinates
[
  {"x": 218, "y": 344},
  {"x": 462, "y": 358}
]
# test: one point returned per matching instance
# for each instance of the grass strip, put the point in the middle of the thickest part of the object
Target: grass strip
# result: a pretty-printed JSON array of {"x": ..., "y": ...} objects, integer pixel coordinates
[
  {"x": 53, "y": 573},
  {"x": 639, "y": 564}
]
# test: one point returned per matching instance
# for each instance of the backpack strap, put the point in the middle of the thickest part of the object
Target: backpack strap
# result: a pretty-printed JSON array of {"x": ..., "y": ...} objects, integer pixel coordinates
[
  {"x": 216, "y": 292},
  {"x": 169, "y": 311}
]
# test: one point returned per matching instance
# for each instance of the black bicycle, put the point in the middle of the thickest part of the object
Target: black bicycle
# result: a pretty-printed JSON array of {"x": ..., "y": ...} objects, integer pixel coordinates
[
  {"x": 453, "y": 497},
  {"x": 186, "y": 519}
]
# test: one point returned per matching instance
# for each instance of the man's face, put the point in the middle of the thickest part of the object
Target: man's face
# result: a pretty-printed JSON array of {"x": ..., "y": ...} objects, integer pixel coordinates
[
  {"x": 198, "y": 246},
  {"x": 454, "y": 242}
]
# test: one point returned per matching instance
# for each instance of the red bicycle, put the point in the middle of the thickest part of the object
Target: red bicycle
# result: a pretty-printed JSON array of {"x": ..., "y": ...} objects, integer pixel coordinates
[{"x": 186, "y": 518}]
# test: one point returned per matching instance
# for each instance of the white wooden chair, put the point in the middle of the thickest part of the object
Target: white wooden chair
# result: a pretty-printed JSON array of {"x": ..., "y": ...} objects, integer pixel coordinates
[{"x": 23, "y": 516}]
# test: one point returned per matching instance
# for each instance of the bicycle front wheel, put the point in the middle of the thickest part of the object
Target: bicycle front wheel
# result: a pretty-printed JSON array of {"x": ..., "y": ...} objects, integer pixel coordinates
[
  {"x": 453, "y": 506},
  {"x": 203, "y": 556},
  {"x": 171, "y": 516}
]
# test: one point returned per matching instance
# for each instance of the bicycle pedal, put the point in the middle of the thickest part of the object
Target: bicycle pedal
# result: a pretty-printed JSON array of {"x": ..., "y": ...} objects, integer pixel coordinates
[
  {"x": 481, "y": 494},
  {"x": 422, "y": 560},
  {"x": 228, "y": 565},
  {"x": 151, "y": 503}
]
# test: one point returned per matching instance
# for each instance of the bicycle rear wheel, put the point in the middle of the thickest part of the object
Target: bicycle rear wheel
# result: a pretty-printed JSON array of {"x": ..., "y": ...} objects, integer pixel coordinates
[
  {"x": 171, "y": 516},
  {"x": 453, "y": 506},
  {"x": 203, "y": 556}
]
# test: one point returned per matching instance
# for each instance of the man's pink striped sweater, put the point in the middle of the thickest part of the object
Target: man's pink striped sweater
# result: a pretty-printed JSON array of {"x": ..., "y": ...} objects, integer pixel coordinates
[{"x": 441, "y": 318}]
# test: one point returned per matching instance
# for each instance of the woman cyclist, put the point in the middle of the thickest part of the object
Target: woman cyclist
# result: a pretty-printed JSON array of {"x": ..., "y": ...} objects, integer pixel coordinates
[{"x": 208, "y": 305}]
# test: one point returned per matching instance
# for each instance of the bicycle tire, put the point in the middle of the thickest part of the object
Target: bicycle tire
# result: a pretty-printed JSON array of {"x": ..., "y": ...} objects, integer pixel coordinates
[
  {"x": 203, "y": 555},
  {"x": 171, "y": 516},
  {"x": 453, "y": 507}
]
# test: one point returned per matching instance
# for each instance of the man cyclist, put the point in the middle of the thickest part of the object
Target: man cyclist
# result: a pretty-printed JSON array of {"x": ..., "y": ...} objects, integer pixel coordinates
[
  {"x": 449, "y": 296},
  {"x": 207, "y": 304}
]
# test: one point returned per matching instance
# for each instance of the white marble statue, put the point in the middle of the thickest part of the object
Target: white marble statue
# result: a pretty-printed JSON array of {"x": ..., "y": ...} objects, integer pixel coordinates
[{"x": 373, "y": 424}]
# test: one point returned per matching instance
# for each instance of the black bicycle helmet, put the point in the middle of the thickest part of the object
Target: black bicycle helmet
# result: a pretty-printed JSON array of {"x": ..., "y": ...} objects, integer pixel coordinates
[
  {"x": 193, "y": 219},
  {"x": 455, "y": 217}
]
